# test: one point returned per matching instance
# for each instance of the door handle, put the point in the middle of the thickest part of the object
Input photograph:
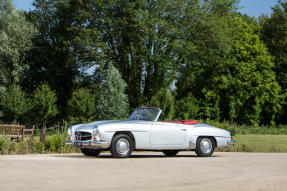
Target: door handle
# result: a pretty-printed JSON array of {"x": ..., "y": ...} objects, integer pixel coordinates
[{"x": 183, "y": 129}]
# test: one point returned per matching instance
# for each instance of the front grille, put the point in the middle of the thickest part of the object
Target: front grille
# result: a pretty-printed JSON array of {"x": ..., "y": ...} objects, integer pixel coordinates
[{"x": 83, "y": 136}]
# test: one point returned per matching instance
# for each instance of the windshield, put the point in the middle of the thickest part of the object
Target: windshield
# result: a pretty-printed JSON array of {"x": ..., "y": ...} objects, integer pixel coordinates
[{"x": 147, "y": 114}]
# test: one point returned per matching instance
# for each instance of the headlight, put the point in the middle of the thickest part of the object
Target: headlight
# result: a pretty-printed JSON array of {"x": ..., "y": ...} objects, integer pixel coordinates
[
  {"x": 95, "y": 131},
  {"x": 70, "y": 131}
]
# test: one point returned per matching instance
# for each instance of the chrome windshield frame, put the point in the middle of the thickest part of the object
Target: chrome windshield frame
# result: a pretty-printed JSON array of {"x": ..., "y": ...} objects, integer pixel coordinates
[{"x": 155, "y": 108}]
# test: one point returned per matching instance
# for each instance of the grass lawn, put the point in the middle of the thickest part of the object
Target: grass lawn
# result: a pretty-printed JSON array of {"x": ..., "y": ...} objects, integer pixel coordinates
[{"x": 259, "y": 143}]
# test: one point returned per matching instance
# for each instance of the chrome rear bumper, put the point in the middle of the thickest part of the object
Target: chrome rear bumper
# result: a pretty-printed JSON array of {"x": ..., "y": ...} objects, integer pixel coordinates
[{"x": 88, "y": 144}]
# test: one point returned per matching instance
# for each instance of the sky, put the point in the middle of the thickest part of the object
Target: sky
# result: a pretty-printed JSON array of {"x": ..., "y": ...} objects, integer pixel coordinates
[{"x": 252, "y": 8}]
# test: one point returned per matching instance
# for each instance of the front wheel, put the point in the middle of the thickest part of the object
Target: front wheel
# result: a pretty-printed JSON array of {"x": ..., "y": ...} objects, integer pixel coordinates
[
  {"x": 122, "y": 146},
  {"x": 205, "y": 146},
  {"x": 170, "y": 153},
  {"x": 90, "y": 152}
]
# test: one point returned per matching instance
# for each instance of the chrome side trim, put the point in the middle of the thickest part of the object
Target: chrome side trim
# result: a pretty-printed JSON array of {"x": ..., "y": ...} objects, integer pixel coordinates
[{"x": 130, "y": 130}]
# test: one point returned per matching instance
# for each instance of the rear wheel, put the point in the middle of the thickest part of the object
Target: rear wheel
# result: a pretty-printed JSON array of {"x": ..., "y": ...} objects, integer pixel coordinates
[
  {"x": 205, "y": 146},
  {"x": 170, "y": 153},
  {"x": 122, "y": 146},
  {"x": 91, "y": 152}
]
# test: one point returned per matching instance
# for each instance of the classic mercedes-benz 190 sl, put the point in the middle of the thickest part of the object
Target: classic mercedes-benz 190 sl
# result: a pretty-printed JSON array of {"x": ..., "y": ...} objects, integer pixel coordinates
[{"x": 143, "y": 131}]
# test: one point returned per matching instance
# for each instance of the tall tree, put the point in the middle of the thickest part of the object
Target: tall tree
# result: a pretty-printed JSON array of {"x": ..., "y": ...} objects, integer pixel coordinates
[
  {"x": 275, "y": 37},
  {"x": 141, "y": 38},
  {"x": 66, "y": 45},
  {"x": 44, "y": 106},
  {"x": 112, "y": 102},
  {"x": 82, "y": 106},
  {"x": 230, "y": 71},
  {"x": 15, "y": 104},
  {"x": 15, "y": 39},
  {"x": 206, "y": 49}
]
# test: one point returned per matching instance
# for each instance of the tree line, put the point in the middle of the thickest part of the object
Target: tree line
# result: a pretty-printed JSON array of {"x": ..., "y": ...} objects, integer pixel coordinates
[{"x": 96, "y": 59}]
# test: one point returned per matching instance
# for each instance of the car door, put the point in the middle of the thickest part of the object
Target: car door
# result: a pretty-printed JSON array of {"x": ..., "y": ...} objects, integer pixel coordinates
[{"x": 167, "y": 134}]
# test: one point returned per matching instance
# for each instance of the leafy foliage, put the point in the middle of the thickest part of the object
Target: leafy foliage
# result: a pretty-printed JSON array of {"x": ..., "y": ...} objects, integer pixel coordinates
[
  {"x": 164, "y": 100},
  {"x": 236, "y": 81},
  {"x": 4, "y": 144},
  {"x": 275, "y": 37},
  {"x": 44, "y": 103},
  {"x": 82, "y": 106},
  {"x": 65, "y": 47},
  {"x": 112, "y": 102},
  {"x": 55, "y": 143},
  {"x": 15, "y": 103},
  {"x": 210, "y": 56},
  {"x": 15, "y": 39},
  {"x": 187, "y": 108}
]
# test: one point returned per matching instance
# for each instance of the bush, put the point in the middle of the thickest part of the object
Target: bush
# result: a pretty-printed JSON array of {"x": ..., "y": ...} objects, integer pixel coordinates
[
  {"x": 4, "y": 144},
  {"x": 37, "y": 147},
  {"x": 236, "y": 129},
  {"x": 55, "y": 143},
  {"x": 24, "y": 148},
  {"x": 14, "y": 148}
]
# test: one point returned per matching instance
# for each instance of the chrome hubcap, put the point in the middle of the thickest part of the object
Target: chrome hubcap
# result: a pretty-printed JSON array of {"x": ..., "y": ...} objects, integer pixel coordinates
[
  {"x": 206, "y": 146},
  {"x": 123, "y": 146}
]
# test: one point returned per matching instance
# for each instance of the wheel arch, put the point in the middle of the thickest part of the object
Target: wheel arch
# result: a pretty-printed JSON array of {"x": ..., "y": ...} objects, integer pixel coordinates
[
  {"x": 212, "y": 137},
  {"x": 130, "y": 134}
]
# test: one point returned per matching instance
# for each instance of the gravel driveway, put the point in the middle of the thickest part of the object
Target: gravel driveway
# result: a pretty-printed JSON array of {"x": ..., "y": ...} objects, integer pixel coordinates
[{"x": 144, "y": 171}]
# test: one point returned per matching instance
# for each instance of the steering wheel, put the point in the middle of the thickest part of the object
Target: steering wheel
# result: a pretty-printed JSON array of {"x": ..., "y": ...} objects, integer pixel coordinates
[{"x": 136, "y": 117}]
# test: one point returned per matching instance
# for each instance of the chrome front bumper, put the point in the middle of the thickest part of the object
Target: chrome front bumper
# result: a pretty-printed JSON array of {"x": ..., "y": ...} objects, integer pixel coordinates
[
  {"x": 88, "y": 144},
  {"x": 231, "y": 142}
]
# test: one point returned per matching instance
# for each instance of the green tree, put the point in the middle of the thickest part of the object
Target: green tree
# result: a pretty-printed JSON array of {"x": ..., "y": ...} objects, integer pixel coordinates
[
  {"x": 230, "y": 72},
  {"x": 67, "y": 45},
  {"x": 164, "y": 100},
  {"x": 143, "y": 39},
  {"x": 15, "y": 103},
  {"x": 15, "y": 39},
  {"x": 187, "y": 108},
  {"x": 44, "y": 106},
  {"x": 273, "y": 32},
  {"x": 205, "y": 55},
  {"x": 82, "y": 106},
  {"x": 112, "y": 102},
  {"x": 252, "y": 81}
]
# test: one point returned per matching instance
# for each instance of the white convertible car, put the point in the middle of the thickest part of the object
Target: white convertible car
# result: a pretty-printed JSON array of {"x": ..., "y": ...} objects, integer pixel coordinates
[{"x": 143, "y": 131}]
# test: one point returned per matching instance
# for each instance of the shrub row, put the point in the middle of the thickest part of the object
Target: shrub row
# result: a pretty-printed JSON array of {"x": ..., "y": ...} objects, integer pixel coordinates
[
  {"x": 53, "y": 144},
  {"x": 236, "y": 129}
]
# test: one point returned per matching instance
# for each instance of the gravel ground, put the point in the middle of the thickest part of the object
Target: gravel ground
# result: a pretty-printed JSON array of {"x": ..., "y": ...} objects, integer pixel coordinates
[{"x": 145, "y": 171}]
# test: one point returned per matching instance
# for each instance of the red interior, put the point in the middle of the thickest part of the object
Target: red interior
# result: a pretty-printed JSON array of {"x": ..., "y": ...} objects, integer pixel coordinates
[{"x": 186, "y": 122}]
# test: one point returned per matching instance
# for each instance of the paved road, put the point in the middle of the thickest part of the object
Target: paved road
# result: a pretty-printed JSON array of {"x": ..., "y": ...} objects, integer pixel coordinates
[{"x": 144, "y": 171}]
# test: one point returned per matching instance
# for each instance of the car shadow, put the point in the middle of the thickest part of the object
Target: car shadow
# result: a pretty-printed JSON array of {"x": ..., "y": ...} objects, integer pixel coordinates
[{"x": 136, "y": 155}]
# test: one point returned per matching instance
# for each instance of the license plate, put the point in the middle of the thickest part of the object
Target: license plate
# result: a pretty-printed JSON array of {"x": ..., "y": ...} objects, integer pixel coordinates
[{"x": 78, "y": 144}]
